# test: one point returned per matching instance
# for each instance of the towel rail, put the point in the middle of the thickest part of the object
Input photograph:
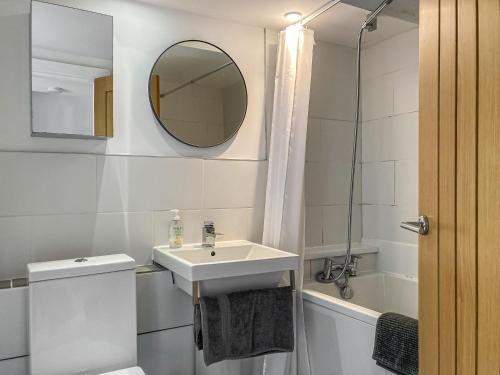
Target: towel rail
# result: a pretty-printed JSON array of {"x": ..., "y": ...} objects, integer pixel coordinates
[{"x": 196, "y": 287}]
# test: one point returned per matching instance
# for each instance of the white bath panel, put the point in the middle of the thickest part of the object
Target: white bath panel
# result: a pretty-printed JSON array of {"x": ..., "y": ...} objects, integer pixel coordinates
[{"x": 338, "y": 344}]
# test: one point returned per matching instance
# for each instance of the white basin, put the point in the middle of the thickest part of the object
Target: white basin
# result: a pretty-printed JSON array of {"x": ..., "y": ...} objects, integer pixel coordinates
[{"x": 229, "y": 266}]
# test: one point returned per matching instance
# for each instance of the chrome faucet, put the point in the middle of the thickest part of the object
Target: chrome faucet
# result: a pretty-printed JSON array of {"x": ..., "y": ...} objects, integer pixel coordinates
[
  {"x": 208, "y": 234},
  {"x": 331, "y": 266}
]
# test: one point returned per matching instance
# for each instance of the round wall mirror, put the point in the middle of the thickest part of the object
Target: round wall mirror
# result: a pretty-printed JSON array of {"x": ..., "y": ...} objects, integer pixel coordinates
[{"x": 198, "y": 93}]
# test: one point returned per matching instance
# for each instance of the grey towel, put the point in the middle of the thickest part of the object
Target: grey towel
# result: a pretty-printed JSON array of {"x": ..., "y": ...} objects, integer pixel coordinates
[
  {"x": 396, "y": 344},
  {"x": 244, "y": 324}
]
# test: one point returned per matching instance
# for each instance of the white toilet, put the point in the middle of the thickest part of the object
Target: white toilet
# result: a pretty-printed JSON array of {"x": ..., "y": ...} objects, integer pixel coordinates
[{"x": 82, "y": 316}]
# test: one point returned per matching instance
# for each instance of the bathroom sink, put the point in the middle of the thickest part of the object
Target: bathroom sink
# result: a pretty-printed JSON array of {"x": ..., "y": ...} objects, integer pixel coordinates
[{"x": 228, "y": 266}]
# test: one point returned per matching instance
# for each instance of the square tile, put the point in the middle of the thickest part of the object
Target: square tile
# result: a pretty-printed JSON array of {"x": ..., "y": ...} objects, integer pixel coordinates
[
  {"x": 314, "y": 226},
  {"x": 161, "y": 304},
  {"x": 230, "y": 223},
  {"x": 167, "y": 352},
  {"x": 13, "y": 323},
  {"x": 377, "y": 98},
  {"x": 335, "y": 224},
  {"x": 336, "y": 177},
  {"x": 129, "y": 233},
  {"x": 406, "y": 189},
  {"x": 234, "y": 184},
  {"x": 43, "y": 183},
  {"x": 406, "y": 90},
  {"x": 57, "y": 237},
  {"x": 378, "y": 183},
  {"x": 337, "y": 140},
  {"x": 15, "y": 246},
  {"x": 255, "y": 222},
  {"x": 148, "y": 183},
  {"x": 313, "y": 144},
  {"x": 314, "y": 183}
]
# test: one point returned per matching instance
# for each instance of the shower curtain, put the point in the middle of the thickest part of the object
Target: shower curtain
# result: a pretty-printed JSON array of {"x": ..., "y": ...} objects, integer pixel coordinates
[{"x": 284, "y": 213}]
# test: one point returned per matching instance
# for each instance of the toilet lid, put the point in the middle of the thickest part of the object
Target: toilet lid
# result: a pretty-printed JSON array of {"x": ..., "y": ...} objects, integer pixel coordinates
[{"x": 126, "y": 371}]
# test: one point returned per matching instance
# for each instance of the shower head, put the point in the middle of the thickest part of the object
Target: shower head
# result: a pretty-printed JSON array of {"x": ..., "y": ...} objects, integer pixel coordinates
[{"x": 370, "y": 22}]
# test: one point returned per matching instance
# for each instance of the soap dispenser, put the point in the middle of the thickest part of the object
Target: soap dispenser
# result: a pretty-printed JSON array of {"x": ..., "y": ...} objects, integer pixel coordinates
[{"x": 176, "y": 230}]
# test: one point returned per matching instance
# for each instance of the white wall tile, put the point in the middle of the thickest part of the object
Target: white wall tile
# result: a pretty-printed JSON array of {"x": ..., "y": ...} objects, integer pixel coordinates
[
  {"x": 377, "y": 98},
  {"x": 378, "y": 183},
  {"x": 314, "y": 181},
  {"x": 336, "y": 140},
  {"x": 314, "y": 226},
  {"x": 231, "y": 223},
  {"x": 335, "y": 224},
  {"x": 255, "y": 222},
  {"x": 160, "y": 304},
  {"x": 313, "y": 149},
  {"x": 406, "y": 90},
  {"x": 15, "y": 246},
  {"x": 234, "y": 184},
  {"x": 336, "y": 180},
  {"x": 382, "y": 222},
  {"x": 130, "y": 233},
  {"x": 378, "y": 140},
  {"x": 57, "y": 237},
  {"x": 390, "y": 55},
  {"x": 406, "y": 189},
  {"x": 333, "y": 90},
  {"x": 169, "y": 352},
  {"x": 144, "y": 183},
  {"x": 13, "y": 323},
  {"x": 32, "y": 184},
  {"x": 391, "y": 138},
  {"x": 405, "y": 136},
  {"x": 15, "y": 366}
]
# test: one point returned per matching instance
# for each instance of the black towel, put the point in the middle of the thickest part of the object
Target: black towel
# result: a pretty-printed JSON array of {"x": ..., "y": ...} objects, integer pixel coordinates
[
  {"x": 396, "y": 344},
  {"x": 244, "y": 324}
]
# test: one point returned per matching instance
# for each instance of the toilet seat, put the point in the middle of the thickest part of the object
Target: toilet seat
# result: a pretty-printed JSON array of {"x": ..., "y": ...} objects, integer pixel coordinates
[{"x": 126, "y": 371}]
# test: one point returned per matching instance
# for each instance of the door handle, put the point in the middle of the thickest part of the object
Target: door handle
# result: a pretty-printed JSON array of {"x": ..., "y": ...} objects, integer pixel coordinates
[{"x": 421, "y": 226}]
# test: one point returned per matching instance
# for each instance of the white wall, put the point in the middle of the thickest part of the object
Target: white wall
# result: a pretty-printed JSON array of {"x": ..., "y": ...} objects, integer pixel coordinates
[
  {"x": 63, "y": 198},
  {"x": 329, "y": 147},
  {"x": 141, "y": 34},
  {"x": 390, "y": 150}
]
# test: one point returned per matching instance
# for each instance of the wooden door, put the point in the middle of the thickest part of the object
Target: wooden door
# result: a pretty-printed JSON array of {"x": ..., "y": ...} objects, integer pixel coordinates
[
  {"x": 154, "y": 93},
  {"x": 103, "y": 106},
  {"x": 459, "y": 261}
]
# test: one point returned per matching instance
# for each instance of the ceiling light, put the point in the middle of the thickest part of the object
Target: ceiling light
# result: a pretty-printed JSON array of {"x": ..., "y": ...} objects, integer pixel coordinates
[{"x": 293, "y": 16}]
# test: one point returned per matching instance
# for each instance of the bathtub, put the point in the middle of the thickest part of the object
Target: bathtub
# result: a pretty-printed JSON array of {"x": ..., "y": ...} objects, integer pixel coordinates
[{"x": 340, "y": 333}]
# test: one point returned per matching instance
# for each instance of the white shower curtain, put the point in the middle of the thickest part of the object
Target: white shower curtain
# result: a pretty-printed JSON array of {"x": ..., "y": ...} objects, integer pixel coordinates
[{"x": 284, "y": 212}]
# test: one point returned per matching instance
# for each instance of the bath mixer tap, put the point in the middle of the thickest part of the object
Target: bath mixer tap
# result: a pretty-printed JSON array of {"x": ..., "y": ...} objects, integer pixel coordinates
[{"x": 331, "y": 266}]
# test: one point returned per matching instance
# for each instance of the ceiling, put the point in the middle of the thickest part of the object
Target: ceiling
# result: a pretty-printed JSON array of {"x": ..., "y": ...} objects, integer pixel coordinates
[{"x": 338, "y": 25}]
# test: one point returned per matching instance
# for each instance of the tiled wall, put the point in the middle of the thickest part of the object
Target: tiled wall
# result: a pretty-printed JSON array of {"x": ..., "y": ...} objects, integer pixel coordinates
[
  {"x": 386, "y": 185},
  {"x": 55, "y": 206},
  {"x": 329, "y": 147},
  {"x": 390, "y": 149}
]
